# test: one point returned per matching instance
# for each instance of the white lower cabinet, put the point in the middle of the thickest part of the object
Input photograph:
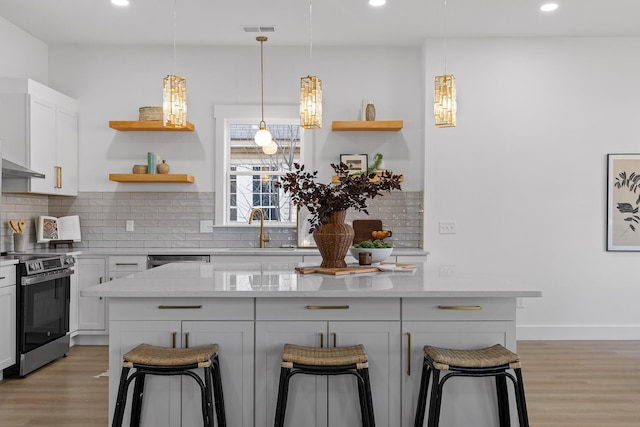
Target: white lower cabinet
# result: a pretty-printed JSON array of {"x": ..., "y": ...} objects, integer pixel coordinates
[
  {"x": 466, "y": 401},
  {"x": 7, "y": 317},
  {"x": 91, "y": 310},
  {"x": 175, "y": 401},
  {"x": 319, "y": 401}
]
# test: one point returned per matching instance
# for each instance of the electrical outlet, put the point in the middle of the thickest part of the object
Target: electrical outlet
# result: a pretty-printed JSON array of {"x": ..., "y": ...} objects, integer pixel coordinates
[
  {"x": 447, "y": 227},
  {"x": 206, "y": 226},
  {"x": 129, "y": 225},
  {"x": 447, "y": 270}
]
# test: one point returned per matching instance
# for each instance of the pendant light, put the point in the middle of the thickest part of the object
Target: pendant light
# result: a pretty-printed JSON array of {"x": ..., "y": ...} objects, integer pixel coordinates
[
  {"x": 444, "y": 94},
  {"x": 174, "y": 92},
  {"x": 310, "y": 90},
  {"x": 263, "y": 136}
]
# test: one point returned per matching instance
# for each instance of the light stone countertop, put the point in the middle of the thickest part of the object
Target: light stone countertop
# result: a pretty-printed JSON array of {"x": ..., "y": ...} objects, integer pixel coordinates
[{"x": 273, "y": 279}]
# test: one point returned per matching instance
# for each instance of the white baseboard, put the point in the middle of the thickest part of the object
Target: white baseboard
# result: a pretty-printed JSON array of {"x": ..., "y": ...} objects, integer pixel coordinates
[
  {"x": 578, "y": 332},
  {"x": 90, "y": 340}
]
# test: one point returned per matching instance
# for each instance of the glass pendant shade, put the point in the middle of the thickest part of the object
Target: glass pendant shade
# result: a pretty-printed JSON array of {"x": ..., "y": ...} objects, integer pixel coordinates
[
  {"x": 444, "y": 101},
  {"x": 174, "y": 101},
  {"x": 270, "y": 149},
  {"x": 263, "y": 136},
  {"x": 311, "y": 102}
]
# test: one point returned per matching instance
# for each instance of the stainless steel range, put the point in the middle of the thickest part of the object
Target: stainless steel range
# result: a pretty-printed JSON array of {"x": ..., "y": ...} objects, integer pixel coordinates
[{"x": 42, "y": 298}]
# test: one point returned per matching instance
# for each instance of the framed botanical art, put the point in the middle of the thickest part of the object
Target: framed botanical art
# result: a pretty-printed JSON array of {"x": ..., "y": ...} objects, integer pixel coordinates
[
  {"x": 304, "y": 239},
  {"x": 623, "y": 202},
  {"x": 355, "y": 162}
]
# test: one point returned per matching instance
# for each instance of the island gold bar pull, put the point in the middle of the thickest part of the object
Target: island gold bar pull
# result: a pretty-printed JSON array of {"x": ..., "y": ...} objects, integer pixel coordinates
[
  {"x": 327, "y": 307},
  {"x": 409, "y": 354},
  {"x": 179, "y": 307},
  {"x": 173, "y": 339},
  {"x": 460, "y": 307},
  {"x": 186, "y": 340},
  {"x": 321, "y": 340}
]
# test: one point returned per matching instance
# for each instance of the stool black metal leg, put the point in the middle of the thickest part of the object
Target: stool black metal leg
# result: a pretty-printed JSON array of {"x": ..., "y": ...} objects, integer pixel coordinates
[
  {"x": 521, "y": 402},
  {"x": 434, "y": 410},
  {"x": 207, "y": 402},
  {"x": 362, "y": 399},
  {"x": 283, "y": 389},
  {"x": 136, "y": 406},
  {"x": 367, "y": 390},
  {"x": 422, "y": 394},
  {"x": 221, "y": 414},
  {"x": 118, "y": 413},
  {"x": 503, "y": 401}
]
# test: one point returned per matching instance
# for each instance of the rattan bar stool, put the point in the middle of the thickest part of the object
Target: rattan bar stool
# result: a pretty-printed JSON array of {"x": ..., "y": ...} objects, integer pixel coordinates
[
  {"x": 350, "y": 360},
  {"x": 151, "y": 360},
  {"x": 487, "y": 362}
]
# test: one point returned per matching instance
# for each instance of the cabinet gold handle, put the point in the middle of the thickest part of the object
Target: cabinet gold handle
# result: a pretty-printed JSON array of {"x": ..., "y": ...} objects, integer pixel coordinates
[
  {"x": 111, "y": 279},
  {"x": 408, "y": 354},
  {"x": 321, "y": 340},
  {"x": 60, "y": 174},
  {"x": 186, "y": 340},
  {"x": 101, "y": 279},
  {"x": 335, "y": 339},
  {"x": 179, "y": 307},
  {"x": 460, "y": 307},
  {"x": 3, "y": 277},
  {"x": 173, "y": 339},
  {"x": 327, "y": 307},
  {"x": 126, "y": 263}
]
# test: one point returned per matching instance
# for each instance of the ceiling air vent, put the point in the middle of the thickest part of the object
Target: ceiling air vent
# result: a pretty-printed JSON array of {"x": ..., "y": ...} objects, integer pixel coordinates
[{"x": 259, "y": 28}]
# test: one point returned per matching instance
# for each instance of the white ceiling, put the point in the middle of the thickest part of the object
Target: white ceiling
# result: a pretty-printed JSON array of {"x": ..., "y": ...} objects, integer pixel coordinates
[{"x": 335, "y": 22}]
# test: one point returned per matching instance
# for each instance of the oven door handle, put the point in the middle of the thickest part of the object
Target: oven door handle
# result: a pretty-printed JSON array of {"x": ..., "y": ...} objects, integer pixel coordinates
[{"x": 40, "y": 278}]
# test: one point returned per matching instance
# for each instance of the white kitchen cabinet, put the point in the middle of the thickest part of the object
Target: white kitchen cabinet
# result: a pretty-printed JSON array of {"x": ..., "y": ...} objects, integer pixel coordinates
[
  {"x": 40, "y": 128},
  {"x": 73, "y": 301},
  {"x": 318, "y": 401},
  {"x": 426, "y": 323},
  {"x": 7, "y": 317},
  {"x": 92, "y": 314},
  {"x": 175, "y": 401}
]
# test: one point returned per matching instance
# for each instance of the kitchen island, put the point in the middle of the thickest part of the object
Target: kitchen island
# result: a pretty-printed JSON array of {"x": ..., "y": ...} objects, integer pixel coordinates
[{"x": 252, "y": 309}]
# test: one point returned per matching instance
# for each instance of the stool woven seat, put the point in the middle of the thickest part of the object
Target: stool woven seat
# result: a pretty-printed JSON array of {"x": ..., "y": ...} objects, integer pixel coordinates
[
  {"x": 496, "y": 355},
  {"x": 485, "y": 362},
  {"x": 148, "y": 359},
  {"x": 349, "y": 360},
  {"x": 332, "y": 356},
  {"x": 146, "y": 354}
]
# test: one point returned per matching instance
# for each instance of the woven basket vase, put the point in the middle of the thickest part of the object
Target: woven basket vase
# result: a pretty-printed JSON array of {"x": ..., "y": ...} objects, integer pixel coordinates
[{"x": 333, "y": 238}]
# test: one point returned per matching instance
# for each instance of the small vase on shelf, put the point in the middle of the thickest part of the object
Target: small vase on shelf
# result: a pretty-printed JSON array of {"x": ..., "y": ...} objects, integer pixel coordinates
[{"x": 163, "y": 168}]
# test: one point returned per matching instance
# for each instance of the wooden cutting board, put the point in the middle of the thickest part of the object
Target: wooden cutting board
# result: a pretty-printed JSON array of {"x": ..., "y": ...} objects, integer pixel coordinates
[
  {"x": 346, "y": 270},
  {"x": 362, "y": 229}
]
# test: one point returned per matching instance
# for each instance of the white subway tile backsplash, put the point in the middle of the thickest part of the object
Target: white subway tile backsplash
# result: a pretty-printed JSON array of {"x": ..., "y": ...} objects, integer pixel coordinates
[{"x": 166, "y": 220}]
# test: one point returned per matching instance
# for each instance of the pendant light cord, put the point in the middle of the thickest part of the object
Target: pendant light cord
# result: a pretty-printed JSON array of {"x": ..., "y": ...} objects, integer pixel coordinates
[
  {"x": 175, "y": 3},
  {"x": 445, "y": 37},
  {"x": 262, "y": 40},
  {"x": 311, "y": 33}
]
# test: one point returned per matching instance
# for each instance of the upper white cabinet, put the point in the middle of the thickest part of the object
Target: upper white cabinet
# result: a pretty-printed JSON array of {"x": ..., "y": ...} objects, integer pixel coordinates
[{"x": 39, "y": 128}]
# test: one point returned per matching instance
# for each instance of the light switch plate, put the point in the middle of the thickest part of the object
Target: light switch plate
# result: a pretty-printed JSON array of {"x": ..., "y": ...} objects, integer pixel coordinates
[
  {"x": 129, "y": 226},
  {"x": 206, "y": 226}
]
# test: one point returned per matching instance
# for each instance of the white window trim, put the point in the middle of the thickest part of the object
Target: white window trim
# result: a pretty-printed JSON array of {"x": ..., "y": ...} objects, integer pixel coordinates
[{"x": 225, "y": 114}]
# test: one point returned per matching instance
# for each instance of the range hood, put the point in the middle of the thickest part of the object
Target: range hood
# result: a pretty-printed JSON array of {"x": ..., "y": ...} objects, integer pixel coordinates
[{"x": 14, "y": 170}]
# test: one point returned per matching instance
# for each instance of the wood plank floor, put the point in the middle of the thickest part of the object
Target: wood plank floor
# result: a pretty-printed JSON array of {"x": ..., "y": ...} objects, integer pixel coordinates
[{"x": 568, "y": 384}]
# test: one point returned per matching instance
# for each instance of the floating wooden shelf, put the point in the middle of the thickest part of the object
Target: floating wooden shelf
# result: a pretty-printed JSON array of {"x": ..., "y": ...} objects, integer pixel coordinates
[
  {"x": 149, "y": 177},
  {"x": 373, "y": 125},
  {"x": 154, "y": 125},
  {"x": 335, "y": 179}
]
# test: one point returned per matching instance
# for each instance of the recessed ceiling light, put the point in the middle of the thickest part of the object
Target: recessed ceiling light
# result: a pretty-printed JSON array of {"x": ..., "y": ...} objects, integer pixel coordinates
[
  {"x": 377, "y": 2},
  {"x": 120, "y": 2},
  {"x": 549, "y": 7}
]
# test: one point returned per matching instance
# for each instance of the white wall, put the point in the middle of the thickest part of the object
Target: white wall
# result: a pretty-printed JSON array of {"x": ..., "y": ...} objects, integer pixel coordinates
[
  {"x": 112, "y": 82},
  {"x": 524, "y": 175},
  {"x": 22, "y": 54}
]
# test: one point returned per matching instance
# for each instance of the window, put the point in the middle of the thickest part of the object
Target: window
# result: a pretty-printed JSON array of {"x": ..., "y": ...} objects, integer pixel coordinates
[{"x": 245, "y": 175}]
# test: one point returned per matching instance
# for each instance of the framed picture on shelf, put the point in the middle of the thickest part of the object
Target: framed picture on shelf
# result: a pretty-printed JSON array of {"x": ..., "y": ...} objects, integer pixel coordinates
[
  {"x": 623, "y": 202},
  {"x": 355, "y": 162},
  {"x": 304, "y": 239}
]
